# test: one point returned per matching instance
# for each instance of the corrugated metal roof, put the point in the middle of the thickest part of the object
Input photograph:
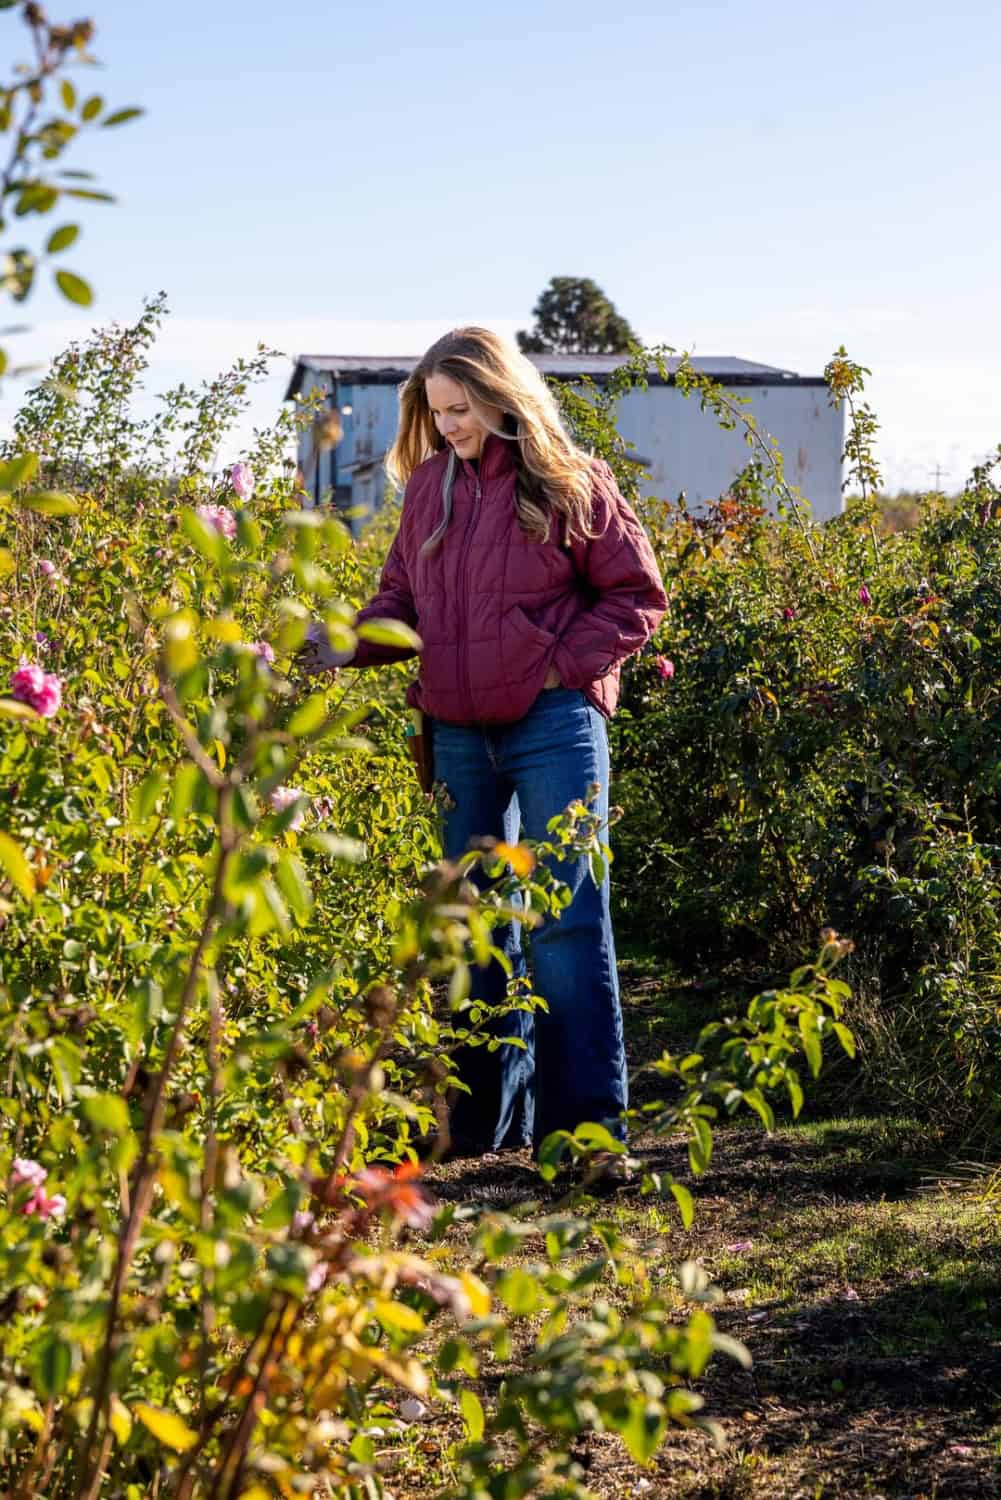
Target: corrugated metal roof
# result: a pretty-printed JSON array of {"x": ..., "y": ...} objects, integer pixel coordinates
[{"x": 391, "y": 369}]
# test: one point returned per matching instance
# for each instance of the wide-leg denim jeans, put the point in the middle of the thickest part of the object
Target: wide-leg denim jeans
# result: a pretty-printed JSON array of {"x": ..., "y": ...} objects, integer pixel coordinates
[{"x": 507, "y": 780}]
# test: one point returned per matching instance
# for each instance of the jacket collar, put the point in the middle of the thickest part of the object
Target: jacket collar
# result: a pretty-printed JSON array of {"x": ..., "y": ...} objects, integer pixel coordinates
[{"x": 498, "y": 456}]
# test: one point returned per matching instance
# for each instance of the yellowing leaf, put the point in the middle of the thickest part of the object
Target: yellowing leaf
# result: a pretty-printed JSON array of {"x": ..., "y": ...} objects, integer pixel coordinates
[
  {"x": 120, "y": 1420},
  {"x": 477, "y": 1294},
  {"x": 397, "y": 1315},
  {"x": 50, "y": 503},
  {"x": 13, "y": 708},
  {"x": 166, "y": 1427},
  {"x": 521, "y": 859},
  {"x": 16, "y": 867}
]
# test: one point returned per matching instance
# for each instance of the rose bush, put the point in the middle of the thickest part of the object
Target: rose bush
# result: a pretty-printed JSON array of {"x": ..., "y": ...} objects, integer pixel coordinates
[{"x": 824, "y": 748}]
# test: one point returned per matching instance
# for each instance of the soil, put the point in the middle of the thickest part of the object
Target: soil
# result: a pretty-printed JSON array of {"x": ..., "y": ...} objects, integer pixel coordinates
[{"x": 870, "y": 1302}]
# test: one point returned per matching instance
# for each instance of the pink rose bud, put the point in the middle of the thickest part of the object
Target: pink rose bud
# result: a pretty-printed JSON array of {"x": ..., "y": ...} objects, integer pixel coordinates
[
  {"x": 788, "y": 613},
  {"x": 864, "y": 595},
  {"x": 220, "y": 518},
  {"x": 241, "y": 479},
  {"x": 48, "y": 567},
  {"x": 665, "y": 667}
]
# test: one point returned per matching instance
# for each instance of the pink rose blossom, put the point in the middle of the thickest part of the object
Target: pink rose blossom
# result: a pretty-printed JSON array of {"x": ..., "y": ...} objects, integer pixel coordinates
[
  {"x": 41, "y": 690},
  {"x": 264, "y": 650},
  {"x": 788, "y": 613},
  {"x": 44, "y": 1206},
  {"x": 241, "y": 479},
  {"x": 23, "y": 1170},
  {"x": 48, "y": 568},
  {"x": 864, "y": 596},
  {"x": 665, "y": 667},
  {"x": 220, "y": 518},
  {"x": 283, "y": 797},
  {"x": 302, "y": 1220}
]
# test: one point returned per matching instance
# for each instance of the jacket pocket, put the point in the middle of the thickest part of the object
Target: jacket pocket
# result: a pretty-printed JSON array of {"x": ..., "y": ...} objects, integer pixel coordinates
[{"x": 528, "y": 631}]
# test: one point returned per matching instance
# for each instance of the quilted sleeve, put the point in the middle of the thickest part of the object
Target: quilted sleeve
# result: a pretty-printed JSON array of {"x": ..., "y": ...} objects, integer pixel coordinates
[
  {"x": 394, "y": 601},
  {"x": 619, "y": 568}
]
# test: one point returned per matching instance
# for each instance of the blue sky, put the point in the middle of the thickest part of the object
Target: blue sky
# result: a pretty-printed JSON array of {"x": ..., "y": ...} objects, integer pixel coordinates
[{"x": 767, "y": 181}]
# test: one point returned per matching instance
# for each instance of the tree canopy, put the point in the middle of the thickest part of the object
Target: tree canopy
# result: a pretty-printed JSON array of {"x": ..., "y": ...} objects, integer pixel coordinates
[{"x": 574, "y": 316}]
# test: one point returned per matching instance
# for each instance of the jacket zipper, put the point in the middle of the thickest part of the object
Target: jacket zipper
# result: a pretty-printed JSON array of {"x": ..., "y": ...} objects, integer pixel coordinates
[{"x": 464, "y": 582}]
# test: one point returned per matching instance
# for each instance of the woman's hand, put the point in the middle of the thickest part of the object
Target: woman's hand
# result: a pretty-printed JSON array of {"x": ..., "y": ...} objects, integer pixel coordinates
[
  {"x": 317, "y": 655},
  {"x": 552, "y": 679}
]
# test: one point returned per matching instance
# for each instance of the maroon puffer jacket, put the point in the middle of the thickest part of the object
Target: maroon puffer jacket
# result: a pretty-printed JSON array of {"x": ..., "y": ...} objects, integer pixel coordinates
[{"x": 495, "y": 610}]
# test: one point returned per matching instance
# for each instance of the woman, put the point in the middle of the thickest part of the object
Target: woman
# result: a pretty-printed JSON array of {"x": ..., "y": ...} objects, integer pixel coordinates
[{"x": 529, "y": 581}]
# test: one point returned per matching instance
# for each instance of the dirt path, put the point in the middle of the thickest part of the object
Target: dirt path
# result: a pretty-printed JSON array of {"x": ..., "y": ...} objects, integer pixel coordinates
[{"x": 866, "y": 1286}]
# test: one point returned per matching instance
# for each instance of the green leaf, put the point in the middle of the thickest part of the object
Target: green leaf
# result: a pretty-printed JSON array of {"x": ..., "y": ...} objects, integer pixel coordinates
[
  {"x": 92, "y": 107},
  {"x": 350, "y": 850},
  {"x": 68, "y": 94},
  {"x": 18, "y": 471},
  {"x": 73, "y": 287},
  {"x": 845, "y": 1037},
  {"x": 61, "y": 238},
  {"x": 120, "y": 116},
  {"x": 810, "y": 1034},
  {"x": 209, "y": 542},
  {"x": 7, "y": 563},
  {"x": 309, "y": 715},
  {"x": 756, "y": 1099},
  {"x": 90, "y": 195},
  {"x": 598, "y": 1137},
  {"x": 472, "y": 1414},
  {"x": 16, "y": 867},
  {"x": 50, "y": 503},
  {"x": 362, "y": 1450},
  {"x": 700, "y": 1145},
  {"x": 683, "y": 1199},
  {"x": 67, "y": 1065},
  {"x": 106, "y": 1112},
  {"x": 642, "y": 1428},
  {"x": 146, "y": 795},
  {"x": 389, "y": 633},
  {"x": 293, "y": 882},
  {"x": 519, "y": 1292},
  {"x": 166, "y": 1427},
  {"x": 53, "y": 1364}
]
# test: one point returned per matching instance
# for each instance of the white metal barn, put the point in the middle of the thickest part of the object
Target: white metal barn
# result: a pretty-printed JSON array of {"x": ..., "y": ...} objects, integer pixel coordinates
[{"x": 683, "y": 447}]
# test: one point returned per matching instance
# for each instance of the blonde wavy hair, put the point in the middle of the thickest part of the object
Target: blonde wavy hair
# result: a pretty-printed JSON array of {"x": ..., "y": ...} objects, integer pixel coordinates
[{"x": 554, "y": 476}]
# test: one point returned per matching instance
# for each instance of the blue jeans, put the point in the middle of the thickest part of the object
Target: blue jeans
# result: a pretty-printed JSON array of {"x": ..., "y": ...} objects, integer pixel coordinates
[{"x": 573, "y": 1067}]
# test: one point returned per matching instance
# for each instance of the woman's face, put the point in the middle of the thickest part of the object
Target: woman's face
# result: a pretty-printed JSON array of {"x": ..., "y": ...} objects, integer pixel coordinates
[{"x": 461, "y": 423}]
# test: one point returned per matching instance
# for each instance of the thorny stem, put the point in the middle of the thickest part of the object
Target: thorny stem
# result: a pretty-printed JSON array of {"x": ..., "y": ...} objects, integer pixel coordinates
[
  {"x": 145, "y": 1177},
  {"x": 209, "y": 1177},
  {"x": 245, "y": 1426}
]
